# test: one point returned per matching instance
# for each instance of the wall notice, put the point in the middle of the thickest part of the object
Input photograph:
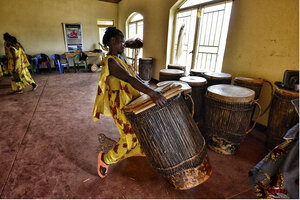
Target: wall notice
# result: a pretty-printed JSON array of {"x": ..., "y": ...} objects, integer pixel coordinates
[{"x": 73, "y": 37}]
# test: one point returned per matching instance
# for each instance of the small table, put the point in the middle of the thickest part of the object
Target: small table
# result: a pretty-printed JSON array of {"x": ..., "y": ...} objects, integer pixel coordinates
[{"x": 88, "y": 53}]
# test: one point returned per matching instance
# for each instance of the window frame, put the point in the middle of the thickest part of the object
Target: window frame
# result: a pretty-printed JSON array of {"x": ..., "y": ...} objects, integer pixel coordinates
[
  {"x": 199, "y": 8},
  {"x": 104, "y": 26},
  {"x": 130, "y": 54}
]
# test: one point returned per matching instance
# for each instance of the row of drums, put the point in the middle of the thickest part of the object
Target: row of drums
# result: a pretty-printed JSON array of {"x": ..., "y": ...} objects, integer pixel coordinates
[
  {"x": 222, "y": 111},
  {"x": 169, "y": 135},
  {"x": 282, "y": 113}
]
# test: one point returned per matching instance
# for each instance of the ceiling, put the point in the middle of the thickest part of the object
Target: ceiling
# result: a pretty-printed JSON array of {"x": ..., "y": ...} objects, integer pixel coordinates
[{"x": 111, "y": 1}]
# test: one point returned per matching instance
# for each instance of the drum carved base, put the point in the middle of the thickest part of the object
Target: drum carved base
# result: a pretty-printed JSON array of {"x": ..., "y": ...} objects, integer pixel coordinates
[
  {"x": 190, "y": 178},
  {"x": 221, "y": 146}
]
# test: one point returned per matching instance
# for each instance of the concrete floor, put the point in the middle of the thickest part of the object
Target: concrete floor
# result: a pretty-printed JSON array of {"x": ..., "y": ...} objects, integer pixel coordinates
[{"x": 48, "y": 149}]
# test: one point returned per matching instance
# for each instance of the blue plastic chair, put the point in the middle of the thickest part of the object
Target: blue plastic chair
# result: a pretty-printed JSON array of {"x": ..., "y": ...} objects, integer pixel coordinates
[
  {"x": 42, "y": 59},
  {"x": 57, "y": 62}
]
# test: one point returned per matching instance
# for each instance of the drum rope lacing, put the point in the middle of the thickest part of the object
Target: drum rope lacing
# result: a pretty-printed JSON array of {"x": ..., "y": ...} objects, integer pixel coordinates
[
  {"x": 272, "y": 91},
  {"x": 187, "y": 96},
  {"x": 258, "y": 116}
]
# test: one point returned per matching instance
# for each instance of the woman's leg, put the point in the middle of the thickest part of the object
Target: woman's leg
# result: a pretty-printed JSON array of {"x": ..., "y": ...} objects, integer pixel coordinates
[{"x": 120, "y": 152}]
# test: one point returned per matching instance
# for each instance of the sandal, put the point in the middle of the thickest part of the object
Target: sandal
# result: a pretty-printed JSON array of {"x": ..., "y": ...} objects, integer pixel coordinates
[
  {"x": 19, "y": 91},
  {"x": 102, "y": 164},
  {"x": 34, "y": 87}
]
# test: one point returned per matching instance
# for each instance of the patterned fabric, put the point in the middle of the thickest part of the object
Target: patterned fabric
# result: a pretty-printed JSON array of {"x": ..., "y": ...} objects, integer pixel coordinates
[
  {"x": 21, "y": 68},
  {"x": 112, "y": 96},
  {"x": 277, "y": 175}
]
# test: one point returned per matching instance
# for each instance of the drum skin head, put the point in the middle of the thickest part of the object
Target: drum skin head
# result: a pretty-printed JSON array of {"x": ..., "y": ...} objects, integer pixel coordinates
[
  {"x": 230, "y": 93},
  {"x": 194, "y": 80}
]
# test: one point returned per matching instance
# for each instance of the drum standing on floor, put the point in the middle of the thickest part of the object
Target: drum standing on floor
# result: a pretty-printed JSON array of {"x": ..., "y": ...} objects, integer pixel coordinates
[
  {"x": 198, "y": 85},
  {"x": 251, "y": 83},
  {"x": 217, "y": 78},
  {"x": 174, "y": 66},
  {"x": 282, "y": 116},
  {"x": 145, "y": 68},
  {"x": 172, "y": 143},
  {"x": 170, "y": 74},
  {"x": 228, "y": 111},
  {"x": 197, "y": 72}
]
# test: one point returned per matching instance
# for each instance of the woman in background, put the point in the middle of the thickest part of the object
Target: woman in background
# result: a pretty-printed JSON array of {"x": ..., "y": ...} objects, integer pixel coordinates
[
  {"x": 118, "y": 86},
  {"x": 18, "y": 66}
]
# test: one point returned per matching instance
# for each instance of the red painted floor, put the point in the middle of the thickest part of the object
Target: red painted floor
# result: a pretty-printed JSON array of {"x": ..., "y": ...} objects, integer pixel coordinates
[{"x": 48, "y": 149}]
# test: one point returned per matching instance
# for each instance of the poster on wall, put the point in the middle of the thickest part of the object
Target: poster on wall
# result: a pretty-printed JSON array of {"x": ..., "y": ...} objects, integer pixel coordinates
[{"x": 73, "y": 37}]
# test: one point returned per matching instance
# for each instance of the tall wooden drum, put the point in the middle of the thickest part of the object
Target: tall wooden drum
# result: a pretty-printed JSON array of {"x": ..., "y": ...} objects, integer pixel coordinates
[
  {"x": 282, "y": 116},
  {"x": 214, "y": 78},
  {"x": 197, "y": 72},
  {"x": 145, "y": 68},
  {"x": 170, "y": 74},
  {"x": 198, "y": 85},
  {"x": 228, "y": 111},
  {"x": 251, "y": 83},
  {"x": 172, "y": 143},
  {"x": 186, "y": 93}
]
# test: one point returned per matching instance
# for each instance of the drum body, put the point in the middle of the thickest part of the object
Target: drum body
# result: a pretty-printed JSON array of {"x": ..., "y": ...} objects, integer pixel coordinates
[
  {"x": 198, "y": 85},
  {"x": 145, "y": 68},
  {"x": 282, "y": 116},
  {"x": 253, "y": 84},
  {"x": 228, "y": 111},
  {"x": 173, "y": 143},
  {"x": 170, "y": 74},
  {"x": 217, "y": 78}
]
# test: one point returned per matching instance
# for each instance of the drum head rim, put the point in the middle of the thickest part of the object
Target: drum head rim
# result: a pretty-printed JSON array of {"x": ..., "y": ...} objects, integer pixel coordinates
[
  {"x": 284, "y": 92},
  {"x": 171, "y": 72},
  {"x": 253, "y": 81},
  {"x": 201, "y": 81}
]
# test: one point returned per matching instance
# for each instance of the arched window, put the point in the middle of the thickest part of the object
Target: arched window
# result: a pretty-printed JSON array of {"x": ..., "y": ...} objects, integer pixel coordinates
[
  {"x": 200, "y": 29},
  {"x": 134, "y": 29}
]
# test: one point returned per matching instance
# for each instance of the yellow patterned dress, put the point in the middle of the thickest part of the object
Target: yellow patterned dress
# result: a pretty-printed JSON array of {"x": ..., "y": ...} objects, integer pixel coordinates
[
  {"x": 112, "y": 96},
  {"x": 21, "y": 68}
]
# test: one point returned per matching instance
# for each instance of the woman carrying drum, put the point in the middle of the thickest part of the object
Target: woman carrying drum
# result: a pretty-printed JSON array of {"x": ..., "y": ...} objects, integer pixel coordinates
[{"x": 118, "y": 85}]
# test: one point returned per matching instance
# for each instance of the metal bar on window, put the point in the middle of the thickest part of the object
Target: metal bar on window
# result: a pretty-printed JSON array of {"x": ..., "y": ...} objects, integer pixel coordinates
[{"x": 216, "y": 28}]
